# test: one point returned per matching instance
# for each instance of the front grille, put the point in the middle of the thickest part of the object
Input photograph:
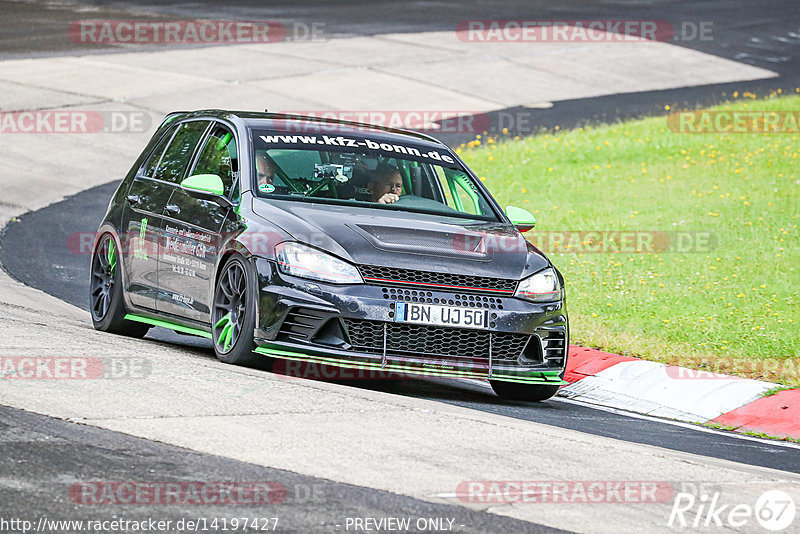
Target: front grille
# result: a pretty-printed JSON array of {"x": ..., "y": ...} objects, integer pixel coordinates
[
  {"x": 367, "y": 336},
  {"x": 376, "y": 275}
]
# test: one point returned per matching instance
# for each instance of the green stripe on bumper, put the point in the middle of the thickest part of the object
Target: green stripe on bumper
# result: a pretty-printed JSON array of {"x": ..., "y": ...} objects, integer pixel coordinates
[{"x": 547, "y": 377}]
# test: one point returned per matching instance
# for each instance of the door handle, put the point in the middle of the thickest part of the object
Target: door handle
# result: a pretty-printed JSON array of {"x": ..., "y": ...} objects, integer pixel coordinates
[
  {"x": 173, "y": 208},
  {"x": 133, "y": 200}
]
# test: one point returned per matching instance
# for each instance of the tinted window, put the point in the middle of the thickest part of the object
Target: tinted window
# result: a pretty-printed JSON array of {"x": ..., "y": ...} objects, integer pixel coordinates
[
  {"x": 397, "y": 173},
  {"x": 218, "y": 156},
  {"x": 179, "y": 152},
  {"x": 155, "y": 157},
  {"x": 295, "y": 162},
  {"x": 366, "y": 180}
]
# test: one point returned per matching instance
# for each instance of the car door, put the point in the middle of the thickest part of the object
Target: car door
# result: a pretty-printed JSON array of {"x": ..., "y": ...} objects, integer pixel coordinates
[
  {"x": 146, "y": 198},
  {"x": 192, "y": 231}
]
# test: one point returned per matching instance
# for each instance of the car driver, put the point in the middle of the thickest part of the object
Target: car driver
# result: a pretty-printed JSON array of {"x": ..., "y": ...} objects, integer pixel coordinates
[{"x": 386, "y": 184}]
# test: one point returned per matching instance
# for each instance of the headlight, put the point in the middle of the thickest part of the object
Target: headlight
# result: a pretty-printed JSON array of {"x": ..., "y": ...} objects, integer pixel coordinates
[
  {"x": 299, "y": 260},
  {"x": 541, "y": 287}
]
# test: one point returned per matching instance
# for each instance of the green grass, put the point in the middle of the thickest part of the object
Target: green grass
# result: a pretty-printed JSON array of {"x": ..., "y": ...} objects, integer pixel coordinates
[
  {"x": 733, "y": 307},
  {"x": 774, "y": 391},
  {"x": 728, "y": 428}
]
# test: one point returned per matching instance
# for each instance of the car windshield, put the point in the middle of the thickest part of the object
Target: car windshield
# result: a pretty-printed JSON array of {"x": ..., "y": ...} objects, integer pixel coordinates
[{"x": 366, "y": 172}]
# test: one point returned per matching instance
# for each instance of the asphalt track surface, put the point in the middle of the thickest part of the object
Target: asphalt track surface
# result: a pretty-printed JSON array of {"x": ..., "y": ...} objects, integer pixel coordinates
[
  {"x": 40, "y": 250},
  {"x": 760, "y": 33},
  {"x": 46, "y": 456},
  {"x": 752, "y": 31}
]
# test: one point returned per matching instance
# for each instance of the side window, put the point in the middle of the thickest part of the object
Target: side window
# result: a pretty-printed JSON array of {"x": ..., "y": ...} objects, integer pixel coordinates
[
  {"x": 218, "y": 156},
  {"x": 458, "y": 192},
  {"x": 158, "y": 151},
  {"x": 179, "y": 152}
]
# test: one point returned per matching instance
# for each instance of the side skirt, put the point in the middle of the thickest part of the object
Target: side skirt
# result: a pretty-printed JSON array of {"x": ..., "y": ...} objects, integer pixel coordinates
[{"x": 167, "y": 324}]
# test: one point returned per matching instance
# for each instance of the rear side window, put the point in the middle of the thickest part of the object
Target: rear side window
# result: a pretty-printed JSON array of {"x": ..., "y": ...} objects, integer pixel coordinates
[
  {"x": 218, "y": 156},
  {"x": 158, "y": 151},
  {"x": 176, "y": 157}
]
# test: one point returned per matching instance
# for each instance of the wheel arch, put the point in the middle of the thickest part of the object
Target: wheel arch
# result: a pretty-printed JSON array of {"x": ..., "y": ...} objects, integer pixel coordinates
[
  {"x": 232, "y": 248},
  {"x": 108, "y": 228},
  {"x": 228, "y": 249}
]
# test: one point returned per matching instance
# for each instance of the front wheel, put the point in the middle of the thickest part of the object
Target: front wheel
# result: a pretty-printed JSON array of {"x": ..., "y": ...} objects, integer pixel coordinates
[
  {"x": 524, "y": 392},
  {"x": 233, "y": 314},
  {"x": 105, "y": 297}
]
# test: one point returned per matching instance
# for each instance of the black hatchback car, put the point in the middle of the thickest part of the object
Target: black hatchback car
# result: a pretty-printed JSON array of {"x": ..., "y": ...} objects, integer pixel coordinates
[{"x": 332, "y": 242}]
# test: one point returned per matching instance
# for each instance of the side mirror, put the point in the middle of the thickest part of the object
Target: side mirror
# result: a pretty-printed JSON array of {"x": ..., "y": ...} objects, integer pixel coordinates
[
  {"x": 206, "y": 187},
  {"x": 521, "y": 218}
]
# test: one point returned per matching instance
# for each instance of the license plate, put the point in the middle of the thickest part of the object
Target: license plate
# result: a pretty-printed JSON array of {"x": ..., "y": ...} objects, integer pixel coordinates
[{"x": 433, "y": 314}]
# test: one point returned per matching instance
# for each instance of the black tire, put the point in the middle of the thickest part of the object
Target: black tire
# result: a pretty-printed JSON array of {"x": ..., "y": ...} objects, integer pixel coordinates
[
  {"x": 105, "y": 292},
  {"x": 524, "y": 392},
  {"x": 233, "y": 314}
]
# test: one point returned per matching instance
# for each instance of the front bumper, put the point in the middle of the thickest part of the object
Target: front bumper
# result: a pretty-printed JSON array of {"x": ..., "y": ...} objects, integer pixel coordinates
[{"x": 353, "y": 326}]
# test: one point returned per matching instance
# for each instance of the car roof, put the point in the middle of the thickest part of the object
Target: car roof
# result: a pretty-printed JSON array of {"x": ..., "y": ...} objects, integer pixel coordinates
[{"x": 305, "y": 124}]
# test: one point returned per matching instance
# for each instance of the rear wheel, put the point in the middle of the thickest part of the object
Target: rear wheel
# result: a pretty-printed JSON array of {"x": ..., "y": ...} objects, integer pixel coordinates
[
  {"x": 233, "y": 314},
  {"x": 105, "y": 292},
  {"x": 525, "y": 392}
]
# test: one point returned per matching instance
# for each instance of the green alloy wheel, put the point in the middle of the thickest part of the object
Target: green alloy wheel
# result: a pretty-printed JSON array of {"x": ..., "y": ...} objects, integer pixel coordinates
[{"x": 233, "y": 314}]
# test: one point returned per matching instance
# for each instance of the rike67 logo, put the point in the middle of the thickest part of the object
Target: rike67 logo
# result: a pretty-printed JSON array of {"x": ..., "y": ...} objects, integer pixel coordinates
[{"x": 774, "y": 510}]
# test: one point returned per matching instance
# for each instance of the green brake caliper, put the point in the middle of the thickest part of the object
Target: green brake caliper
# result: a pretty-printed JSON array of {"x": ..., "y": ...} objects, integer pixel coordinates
[{"x": 227, "y": 331}]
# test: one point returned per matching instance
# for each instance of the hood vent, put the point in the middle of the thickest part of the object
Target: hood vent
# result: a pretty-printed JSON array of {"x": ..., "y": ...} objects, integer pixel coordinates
[{"x": 461, "y": 244}]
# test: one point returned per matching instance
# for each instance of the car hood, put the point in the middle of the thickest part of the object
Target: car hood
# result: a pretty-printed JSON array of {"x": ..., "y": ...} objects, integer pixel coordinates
[{"x": 407, "y": 240}]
